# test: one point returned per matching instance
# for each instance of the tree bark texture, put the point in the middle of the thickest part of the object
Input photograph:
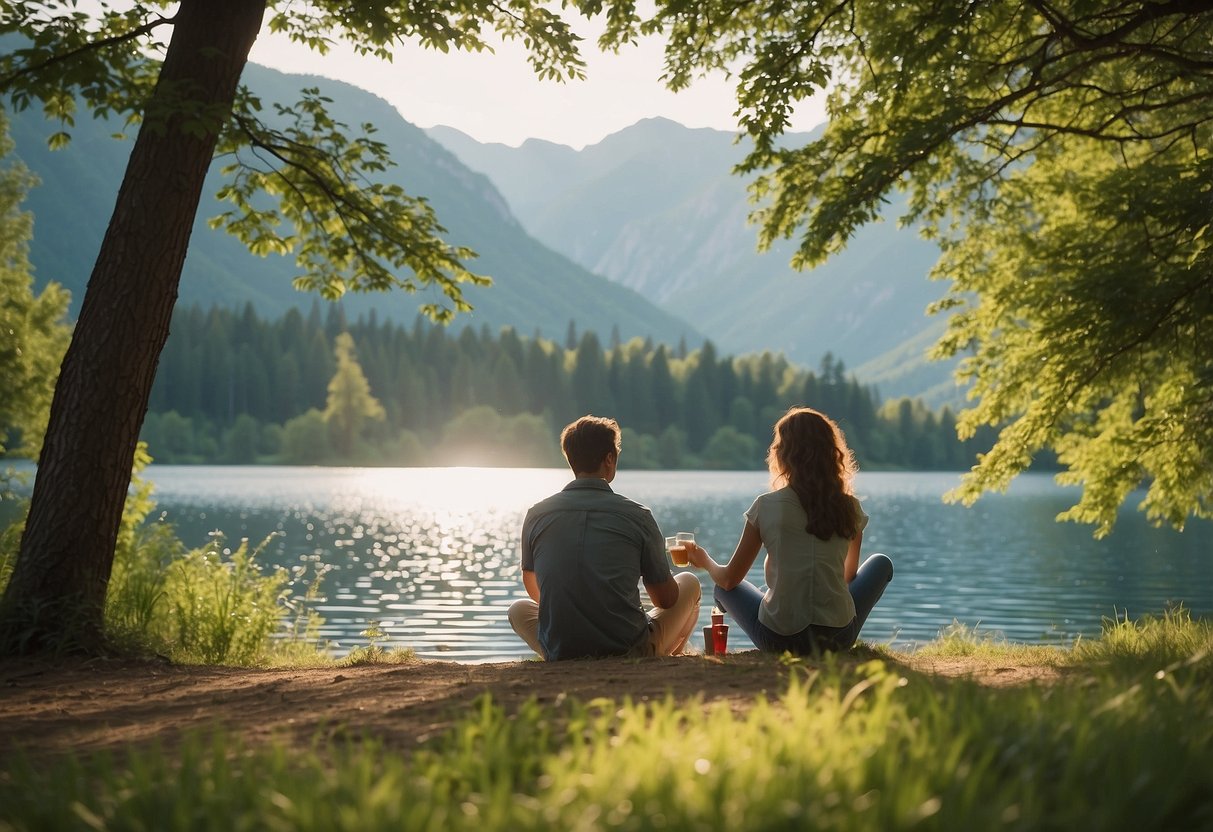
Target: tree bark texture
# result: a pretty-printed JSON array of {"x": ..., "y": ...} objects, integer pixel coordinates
[{"x": 56, "y": 596}]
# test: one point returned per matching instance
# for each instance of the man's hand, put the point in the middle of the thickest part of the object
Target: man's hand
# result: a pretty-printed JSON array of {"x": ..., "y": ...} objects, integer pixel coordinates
[{"x": 663, "y": 595}]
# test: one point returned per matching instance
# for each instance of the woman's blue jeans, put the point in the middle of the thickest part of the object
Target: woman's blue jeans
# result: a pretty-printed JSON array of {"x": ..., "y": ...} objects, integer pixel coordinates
[{"x": 743, "y": 601}]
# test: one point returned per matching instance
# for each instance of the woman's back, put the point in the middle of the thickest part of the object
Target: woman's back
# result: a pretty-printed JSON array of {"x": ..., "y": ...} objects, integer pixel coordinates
[{"x": 805, "y": 577}]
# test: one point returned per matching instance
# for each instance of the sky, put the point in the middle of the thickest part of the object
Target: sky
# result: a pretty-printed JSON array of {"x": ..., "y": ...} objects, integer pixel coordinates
[{"x": 496, "y": 97}]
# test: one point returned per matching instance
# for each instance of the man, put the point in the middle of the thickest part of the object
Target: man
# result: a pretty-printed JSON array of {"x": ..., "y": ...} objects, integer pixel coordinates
[{"x": 584, "y": 551}]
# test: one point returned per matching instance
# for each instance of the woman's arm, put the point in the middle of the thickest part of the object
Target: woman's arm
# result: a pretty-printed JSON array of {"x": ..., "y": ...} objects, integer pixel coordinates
[
  {"x": 732, "y": 573},
  {"x": 851, "y": 565}
]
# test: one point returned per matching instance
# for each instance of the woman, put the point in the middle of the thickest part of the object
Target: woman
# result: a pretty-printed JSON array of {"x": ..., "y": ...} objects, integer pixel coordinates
[{"x": 818, "y": 595}]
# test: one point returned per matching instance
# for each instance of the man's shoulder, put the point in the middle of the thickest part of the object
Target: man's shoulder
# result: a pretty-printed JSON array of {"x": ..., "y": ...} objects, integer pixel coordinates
[
  {"x": 591, "y": 500},
  {"x": 630, "y": 505},
  {"x": 543, "y": 504}
]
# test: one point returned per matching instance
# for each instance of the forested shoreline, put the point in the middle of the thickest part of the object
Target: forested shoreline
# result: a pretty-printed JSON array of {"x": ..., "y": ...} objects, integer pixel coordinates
[{"x": 234, "y": 387}]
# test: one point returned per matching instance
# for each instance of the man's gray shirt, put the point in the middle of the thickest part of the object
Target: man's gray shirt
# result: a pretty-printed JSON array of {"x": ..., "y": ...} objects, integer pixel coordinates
[{"x": 589, "y": 548}]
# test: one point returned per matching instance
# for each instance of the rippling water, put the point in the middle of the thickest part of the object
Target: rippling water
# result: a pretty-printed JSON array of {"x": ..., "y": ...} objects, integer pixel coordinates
[{"x": 432, "y": 553}]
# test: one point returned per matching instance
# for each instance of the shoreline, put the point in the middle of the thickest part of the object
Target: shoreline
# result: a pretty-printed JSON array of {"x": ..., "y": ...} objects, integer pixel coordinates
[{"x": 53, "y": 708}]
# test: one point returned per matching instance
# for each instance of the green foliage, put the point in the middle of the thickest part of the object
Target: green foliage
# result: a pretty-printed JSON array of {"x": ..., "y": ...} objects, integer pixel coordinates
[
  {"x": 350, "y": 403},
  {"x": 470, "y": 397},
  {"x": 223, "y": 609},
  {"x": 317, "y": 174},
  {"x": 243, "y": 440},
  {"x": 33, "y": 333},
  {"x": 846, "y": 746},
  {"x": 305, "y": 439},
  {"x": 729, "y": 449},
  {"x": 1059, "y": 153},
  {"x": 480, "y": 436},
  {"x": 211, "y": 605},
  {"x": 375, "y": 653},
  {"x": 141, "y": 556},
  {"x": 958, "y": 640},
  {"x": 183, "y": 439},
  {"x": 641, "y": 450},
  {"x": 10, "y": 542},
  {"x": 1161, "y": 641},
  {"x": 301, "y": 168}
]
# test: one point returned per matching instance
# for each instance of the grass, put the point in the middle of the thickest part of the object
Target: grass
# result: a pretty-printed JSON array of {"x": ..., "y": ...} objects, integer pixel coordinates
[
  {"x": 215, "y": 604},
  {"x": 985, "y": 647},
  {"x": 1124, "y": 741}
]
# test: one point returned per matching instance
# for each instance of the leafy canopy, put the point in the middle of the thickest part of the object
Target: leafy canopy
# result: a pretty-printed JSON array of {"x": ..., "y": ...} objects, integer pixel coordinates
[
  {"x": 1059, "y": 150},
  {"x": 299, "y": 182}
]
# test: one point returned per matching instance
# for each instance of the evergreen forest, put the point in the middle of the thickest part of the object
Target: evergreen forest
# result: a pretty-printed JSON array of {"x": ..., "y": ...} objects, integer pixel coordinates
[{"x": 236, "y": 388}]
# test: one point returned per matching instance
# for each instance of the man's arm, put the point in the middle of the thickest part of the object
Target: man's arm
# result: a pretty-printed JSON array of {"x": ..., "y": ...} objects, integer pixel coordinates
[
  {"x": 531, "y": 583},
  {"x": 663, "y": 595}
]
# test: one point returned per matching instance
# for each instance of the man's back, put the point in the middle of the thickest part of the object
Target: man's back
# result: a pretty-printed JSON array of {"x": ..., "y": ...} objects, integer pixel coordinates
[{"x": 589, "y": 548}]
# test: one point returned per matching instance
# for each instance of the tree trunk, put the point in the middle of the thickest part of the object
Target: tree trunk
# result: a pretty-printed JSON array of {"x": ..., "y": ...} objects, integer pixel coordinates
[{"x": 55, "y": 599}]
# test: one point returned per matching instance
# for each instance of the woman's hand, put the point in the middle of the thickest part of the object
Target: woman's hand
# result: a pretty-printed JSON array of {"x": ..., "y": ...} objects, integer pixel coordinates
[
  {"x": 697, "y": 555},
  {"x": 731, "y": 574}
]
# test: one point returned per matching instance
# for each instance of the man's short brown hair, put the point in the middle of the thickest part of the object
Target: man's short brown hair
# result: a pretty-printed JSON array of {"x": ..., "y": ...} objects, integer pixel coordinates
[{"x": 588, "y": 441}]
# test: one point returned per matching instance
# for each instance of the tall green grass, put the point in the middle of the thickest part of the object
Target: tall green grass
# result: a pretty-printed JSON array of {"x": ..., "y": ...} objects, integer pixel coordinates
[
  {"x": 962, "y": 641},
  {"x": 1152, "y": 640},
  {"x": 846, "y": 746},
  {"x": 215, "y": 604}
]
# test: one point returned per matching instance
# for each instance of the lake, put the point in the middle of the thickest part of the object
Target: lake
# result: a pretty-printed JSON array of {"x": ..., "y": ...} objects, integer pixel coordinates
[{"x": 432, "y": 553}]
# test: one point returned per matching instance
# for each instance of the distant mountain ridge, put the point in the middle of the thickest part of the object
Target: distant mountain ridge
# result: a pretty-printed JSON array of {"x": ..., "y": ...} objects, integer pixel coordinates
[
  {"x": 655, "y": 207},
  {"x": 536, "y": 288}
]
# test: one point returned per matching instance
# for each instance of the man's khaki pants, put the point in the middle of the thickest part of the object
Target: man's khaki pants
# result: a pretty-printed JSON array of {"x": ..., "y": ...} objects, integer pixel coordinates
[{"x": 669, "y": 629}]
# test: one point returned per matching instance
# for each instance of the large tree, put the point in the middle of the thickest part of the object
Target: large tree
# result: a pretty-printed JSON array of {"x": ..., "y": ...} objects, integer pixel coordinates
[
  {"x": 1061, "y": 151},
  {"x": 297, "y": 182}
]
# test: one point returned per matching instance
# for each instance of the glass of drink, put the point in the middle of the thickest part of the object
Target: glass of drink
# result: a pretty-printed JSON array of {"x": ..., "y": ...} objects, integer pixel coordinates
[
  {"x": 679, "y": 552},
  {"x": 720, "y": 639},
  {"x": 683, "y": 537}
]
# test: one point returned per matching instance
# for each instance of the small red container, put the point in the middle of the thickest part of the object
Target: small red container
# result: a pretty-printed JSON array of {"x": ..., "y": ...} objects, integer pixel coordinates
[{"x": 720, "y": 639}]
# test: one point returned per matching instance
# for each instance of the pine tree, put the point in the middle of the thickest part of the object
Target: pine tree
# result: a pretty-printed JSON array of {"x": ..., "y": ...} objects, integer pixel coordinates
[{"x": 350, "y": 402}]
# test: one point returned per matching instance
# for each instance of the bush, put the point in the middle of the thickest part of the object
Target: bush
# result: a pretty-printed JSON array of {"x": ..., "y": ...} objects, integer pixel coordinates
[
  {"x": 639, "y": 451},
  {"x": 241, "y": 440},
  {"x": 211, "y": 605},
  {"x": 219, "y": 606},
  {"x": 482, "y": 436},
  {"x": 305, "y": 439},
  {"x": 729, "y": 450},
  {"x": 406, "y": 449}
]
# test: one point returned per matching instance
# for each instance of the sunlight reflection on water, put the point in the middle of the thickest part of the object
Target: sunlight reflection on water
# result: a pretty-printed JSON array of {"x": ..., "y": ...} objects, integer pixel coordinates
[{"x": 432, "y": 553}]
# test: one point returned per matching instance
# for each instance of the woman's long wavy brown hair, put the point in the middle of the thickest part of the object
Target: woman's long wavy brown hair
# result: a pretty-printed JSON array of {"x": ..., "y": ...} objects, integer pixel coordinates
[{"x": 809, "y": 454}]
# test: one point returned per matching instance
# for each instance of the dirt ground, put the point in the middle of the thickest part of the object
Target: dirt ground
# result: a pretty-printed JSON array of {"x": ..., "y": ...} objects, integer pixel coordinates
[{"x": 52, "y": 708}]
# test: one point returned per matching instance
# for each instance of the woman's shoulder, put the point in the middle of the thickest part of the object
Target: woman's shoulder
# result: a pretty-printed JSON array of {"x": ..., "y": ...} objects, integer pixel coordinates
[
  {"x": 762, "y": 501},
  {"x": 777, "y": 495},
  {"x": 772, "y": 503}
]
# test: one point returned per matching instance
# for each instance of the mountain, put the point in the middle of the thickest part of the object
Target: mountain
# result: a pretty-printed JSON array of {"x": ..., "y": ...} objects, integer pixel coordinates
[
  {"x": 656, "y": 208},
  {"x": 535, "y": 288}
]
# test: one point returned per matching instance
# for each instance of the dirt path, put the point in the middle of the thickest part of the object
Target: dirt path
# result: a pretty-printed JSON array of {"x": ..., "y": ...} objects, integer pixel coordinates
[{"x": 103, "y": 704}]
